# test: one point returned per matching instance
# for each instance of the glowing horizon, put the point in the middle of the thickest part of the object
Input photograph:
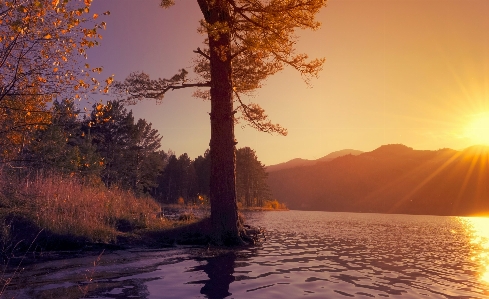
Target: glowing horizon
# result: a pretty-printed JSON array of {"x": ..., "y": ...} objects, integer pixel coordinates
[{"x": 409, "y": 72}]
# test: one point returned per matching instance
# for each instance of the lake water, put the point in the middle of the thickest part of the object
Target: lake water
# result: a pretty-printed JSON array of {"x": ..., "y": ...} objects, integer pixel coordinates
[{"x": 305, "y": 255}]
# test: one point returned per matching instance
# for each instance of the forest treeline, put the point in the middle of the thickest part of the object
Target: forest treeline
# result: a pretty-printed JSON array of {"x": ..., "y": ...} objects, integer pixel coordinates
[{"x": 107, "y": 145}]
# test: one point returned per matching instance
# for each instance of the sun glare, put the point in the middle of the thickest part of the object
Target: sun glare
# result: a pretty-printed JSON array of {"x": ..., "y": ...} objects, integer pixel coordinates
[
  {"x": 479, "y": 234},
  {"x": 478, "y": 129}
]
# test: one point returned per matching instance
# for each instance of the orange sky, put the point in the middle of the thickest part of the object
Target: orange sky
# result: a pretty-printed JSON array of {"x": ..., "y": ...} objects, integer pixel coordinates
[{"x": 397, "y": 71}]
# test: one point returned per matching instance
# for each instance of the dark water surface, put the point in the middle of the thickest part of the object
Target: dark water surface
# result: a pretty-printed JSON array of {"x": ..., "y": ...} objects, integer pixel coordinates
[{"x": 305, "y": 255}]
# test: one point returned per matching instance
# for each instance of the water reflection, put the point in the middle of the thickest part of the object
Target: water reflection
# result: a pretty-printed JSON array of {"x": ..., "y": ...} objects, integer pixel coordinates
[
  {"x": 220, "y": 271},
  {"x": 478, "y": 229},
  {"x": 313, "y": 254}
]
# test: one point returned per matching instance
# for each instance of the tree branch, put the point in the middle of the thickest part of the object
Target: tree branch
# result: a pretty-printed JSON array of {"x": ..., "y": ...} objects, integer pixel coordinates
[
  {"x": 199, "y": 51},
  {"x": 139, "y": 86},
  {"x": 258, "y": 119}
]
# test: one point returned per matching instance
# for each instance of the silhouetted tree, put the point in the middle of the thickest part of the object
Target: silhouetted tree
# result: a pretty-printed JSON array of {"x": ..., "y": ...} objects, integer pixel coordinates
[
  {"x": 202, "y": 166},
  {"x": 251, "y": 178},
  {"x": 247, "y": 42},
  {"x": 129, "y": 150},
  {"x": 167, "y": 190},
  {"x": 110, "y": 128},
  {"x": 177, "y": 180},
  {"x": 142, "y": 156}
]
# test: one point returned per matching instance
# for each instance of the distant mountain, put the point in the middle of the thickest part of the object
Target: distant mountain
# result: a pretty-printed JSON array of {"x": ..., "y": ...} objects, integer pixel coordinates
[
  {"x": 337, "y": 154},
  {"x": 391, "y": 179},
  {"x": 298, "y": 162}
]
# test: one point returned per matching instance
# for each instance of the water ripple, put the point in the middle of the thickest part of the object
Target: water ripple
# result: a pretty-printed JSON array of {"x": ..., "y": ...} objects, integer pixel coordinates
[{"x": 306, "y": 254}]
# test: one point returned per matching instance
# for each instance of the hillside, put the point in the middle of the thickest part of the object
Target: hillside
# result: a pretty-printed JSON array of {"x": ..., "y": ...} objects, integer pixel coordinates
[
  {"x": 298, "y": 162},
  {"x": 391, "y": 179}
]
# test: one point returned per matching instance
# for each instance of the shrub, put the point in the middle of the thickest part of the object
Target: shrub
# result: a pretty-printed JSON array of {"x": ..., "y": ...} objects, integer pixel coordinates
[{"x": 274, "y": 205}]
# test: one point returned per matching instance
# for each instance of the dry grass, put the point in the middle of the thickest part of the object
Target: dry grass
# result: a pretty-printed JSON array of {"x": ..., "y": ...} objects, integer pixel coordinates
[{"x": 65, "y": 206}]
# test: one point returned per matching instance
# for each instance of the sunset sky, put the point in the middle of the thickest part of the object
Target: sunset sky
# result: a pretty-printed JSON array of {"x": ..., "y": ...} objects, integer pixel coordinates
[{"x": 414, "y": 72}]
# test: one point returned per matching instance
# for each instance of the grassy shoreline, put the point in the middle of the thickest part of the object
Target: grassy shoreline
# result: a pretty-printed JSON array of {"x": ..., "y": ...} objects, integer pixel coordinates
[
  {"x": 57, "y": 213},
  {"x": 54, "y": 212}
]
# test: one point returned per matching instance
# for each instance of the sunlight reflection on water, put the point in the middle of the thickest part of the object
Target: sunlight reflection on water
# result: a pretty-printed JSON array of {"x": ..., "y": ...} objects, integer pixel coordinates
[
  {"x": 478, "y": 230},
  {"x": 306, "y": 254}
]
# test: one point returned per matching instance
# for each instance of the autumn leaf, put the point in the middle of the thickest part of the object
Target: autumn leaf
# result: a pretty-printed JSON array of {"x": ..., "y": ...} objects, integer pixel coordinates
[
  {"x": 109, "y": 80},
  {"x": 95, "y": 16}
]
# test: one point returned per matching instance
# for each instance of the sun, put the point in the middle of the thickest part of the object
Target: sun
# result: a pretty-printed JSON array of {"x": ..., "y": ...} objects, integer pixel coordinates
[{"x": 478, "y": 129}]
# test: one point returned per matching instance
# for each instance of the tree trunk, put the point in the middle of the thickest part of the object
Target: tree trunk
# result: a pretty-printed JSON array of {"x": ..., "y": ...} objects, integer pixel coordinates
[{"x": 224, "y": 209}]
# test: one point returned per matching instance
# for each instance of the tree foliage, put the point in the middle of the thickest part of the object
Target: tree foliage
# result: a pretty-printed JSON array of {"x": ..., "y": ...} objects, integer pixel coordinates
[
  {"x": 262, "y": 42},
  {"x": 20, "y": 118},
  {"x": 129, "y": 149},
  {"x": 39, "y": 43},
  {"x": 246, "y": 42},
  {"x": 42, "y": 45},
  {"x": 189, "y": 179},
  {"x": 251, "y": 178},
  {"x": 178, "y": 180}
]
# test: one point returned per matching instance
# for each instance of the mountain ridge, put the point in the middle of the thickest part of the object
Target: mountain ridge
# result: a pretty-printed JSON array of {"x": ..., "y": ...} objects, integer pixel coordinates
[
  {"x": 390, "y": 179},
  {"x": 299, "y": 162}
]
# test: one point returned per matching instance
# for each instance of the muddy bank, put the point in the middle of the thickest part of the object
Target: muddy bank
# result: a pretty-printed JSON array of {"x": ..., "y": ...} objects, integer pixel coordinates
[{"x": 26, "y": 243}]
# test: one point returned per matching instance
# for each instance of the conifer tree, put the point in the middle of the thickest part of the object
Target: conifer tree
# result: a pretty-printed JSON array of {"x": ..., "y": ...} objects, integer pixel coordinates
[
  {"x": 251, "y": 178},
  {"x": 246, "y": 41},
  {"x": 130, "y": 150}
]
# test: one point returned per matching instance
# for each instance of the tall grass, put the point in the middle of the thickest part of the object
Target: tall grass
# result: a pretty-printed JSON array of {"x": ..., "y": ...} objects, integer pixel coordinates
[{"x": 65, "y": 205}]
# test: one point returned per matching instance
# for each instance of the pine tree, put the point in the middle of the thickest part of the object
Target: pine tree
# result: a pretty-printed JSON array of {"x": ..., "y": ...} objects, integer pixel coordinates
[
  {"x": 251, "y": 176},
  {"x": 246, "y": 41}
]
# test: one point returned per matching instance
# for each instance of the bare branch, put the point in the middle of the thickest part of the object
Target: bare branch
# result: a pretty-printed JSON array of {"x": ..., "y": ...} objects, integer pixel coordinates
[
  {"x": 139, "y": 86},
  {"x": 199, "y": 51},
  {"x": 257, "y": 119}
]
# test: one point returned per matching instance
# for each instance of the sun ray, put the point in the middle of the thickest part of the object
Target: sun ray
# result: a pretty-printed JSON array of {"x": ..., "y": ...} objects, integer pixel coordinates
[
  {"x": 468, "y": 175},
  {"x": 478, "y": 129},
  {"x": 428, "y": 179}
]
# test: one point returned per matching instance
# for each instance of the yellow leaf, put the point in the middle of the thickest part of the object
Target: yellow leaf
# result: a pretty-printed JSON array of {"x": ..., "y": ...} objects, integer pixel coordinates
[
  {"x": 47, "y": 36},
  {"x": 109, "y": 80},
  {"x": 95, "y": 16}
]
